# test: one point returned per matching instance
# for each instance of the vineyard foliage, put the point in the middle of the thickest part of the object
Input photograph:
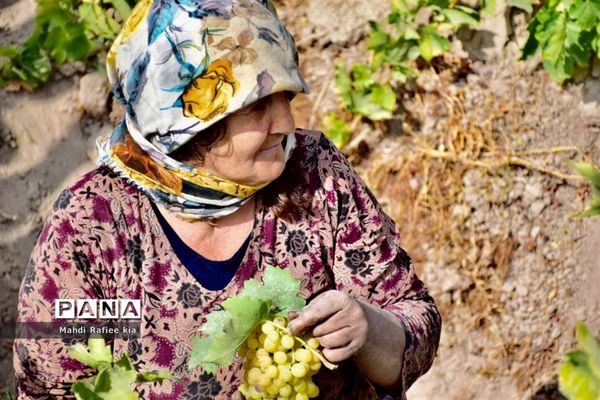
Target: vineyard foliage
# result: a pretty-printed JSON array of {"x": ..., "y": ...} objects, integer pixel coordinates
[
  {"x": 65, "y": 31},
  {"x": 592, "y": 174},
  {"x": 567, "y": 32},
  {"x": 114, "y": 377},
  {"x": 579, "y": 374}
]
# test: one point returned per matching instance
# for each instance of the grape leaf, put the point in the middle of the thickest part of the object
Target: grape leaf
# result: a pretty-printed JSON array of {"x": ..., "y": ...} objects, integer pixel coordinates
[
  {"x": 364, "y": 104},
  {"x": 591, "y": 347},
  {"x": 279, "y": 287},
  {"x": 592, "y": 174},
  {"x": 576, "y": 380},
  {"x": 586, "y": 13},
  {"x": 488, "y": 6},
  {"x": 114, "y": 379},
  {"x": 588, "y": 171},
  {"x": 110, "y": 383},
  {"x": 224, "y": 330},
  {"x": 337, "y": 130},
  {"x": 343, "y": 83},
  {"x": 362, "y": 77},
  {"x": 378, "y": 38},
  {"x": 96, "y": 354},
  {"x": 525, "y": 5},
  {"x": 432, "y": 44},
  {"x": 460, "y": 15},
  {"x": 552, "y": 39},
  {"x": 579, "y": 375}
]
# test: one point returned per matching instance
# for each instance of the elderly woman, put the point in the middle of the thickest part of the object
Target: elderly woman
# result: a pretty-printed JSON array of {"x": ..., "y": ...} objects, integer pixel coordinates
[{"x": 205, "y": 183}]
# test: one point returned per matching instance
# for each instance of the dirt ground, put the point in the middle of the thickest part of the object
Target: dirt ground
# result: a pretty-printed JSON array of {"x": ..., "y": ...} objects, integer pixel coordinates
[{"x": 510, "y": 268}]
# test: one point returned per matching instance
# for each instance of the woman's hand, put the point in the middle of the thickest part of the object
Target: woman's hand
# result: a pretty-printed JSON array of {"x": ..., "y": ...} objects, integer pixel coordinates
[
  {"x": 339, "y": 322},
  {"x": 347, "y": 327}
]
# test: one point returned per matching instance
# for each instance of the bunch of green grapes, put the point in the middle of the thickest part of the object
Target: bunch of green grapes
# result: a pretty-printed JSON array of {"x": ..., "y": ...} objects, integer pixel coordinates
[{"x": 278, "y": 365}]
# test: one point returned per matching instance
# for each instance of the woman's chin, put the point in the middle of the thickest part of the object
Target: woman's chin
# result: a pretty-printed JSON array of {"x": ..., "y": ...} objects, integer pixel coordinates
[{"x": 267, "y": 172}]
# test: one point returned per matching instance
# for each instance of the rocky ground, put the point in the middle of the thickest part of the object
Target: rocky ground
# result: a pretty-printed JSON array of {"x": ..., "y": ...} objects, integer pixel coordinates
[{"x": 493, "y": 237}]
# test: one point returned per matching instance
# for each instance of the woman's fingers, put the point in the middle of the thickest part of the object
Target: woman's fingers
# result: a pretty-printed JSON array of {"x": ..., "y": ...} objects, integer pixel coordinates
[
  {"x": 337, "y": 320},
  {"x": 319, "y": 309}
]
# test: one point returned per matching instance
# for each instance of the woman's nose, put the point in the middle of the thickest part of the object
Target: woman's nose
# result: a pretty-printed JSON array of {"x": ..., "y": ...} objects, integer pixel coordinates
[{"x": 282, "y": 120}]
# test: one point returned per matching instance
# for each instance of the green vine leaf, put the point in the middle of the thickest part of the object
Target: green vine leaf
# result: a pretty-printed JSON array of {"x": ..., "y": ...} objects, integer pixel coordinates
[
  {"x": 96, "y": 354},
  {"x": 459, "y": 16},
  {"x": 579, "y": 374},
  {"x": 432, "y": 44},
  {"x": 337, "y": 130},
  {"x": 226, "y": 329},
  {"x": 592, "y": 174},
  {"x": 525, "y": 5},
  {"x": 114, "y": 379}
]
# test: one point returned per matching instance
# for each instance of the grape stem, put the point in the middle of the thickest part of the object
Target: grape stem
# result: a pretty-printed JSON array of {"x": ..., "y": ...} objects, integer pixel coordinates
[{"x": 306, "y": 346}]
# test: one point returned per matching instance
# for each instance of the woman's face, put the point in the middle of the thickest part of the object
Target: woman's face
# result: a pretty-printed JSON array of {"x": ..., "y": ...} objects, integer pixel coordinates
[{"x": 251, "y": 152}]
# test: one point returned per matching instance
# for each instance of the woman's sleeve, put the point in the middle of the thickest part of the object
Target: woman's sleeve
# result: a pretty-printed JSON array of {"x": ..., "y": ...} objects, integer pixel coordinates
[
  {"x": 59, "y": 268},
  {"x": 369, "y": 263}
]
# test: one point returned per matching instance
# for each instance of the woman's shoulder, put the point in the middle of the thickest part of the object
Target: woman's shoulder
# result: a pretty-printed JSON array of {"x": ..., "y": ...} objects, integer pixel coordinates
[
  {"x": 99, "y": 186},
  {"x": 321, "y": 160}
]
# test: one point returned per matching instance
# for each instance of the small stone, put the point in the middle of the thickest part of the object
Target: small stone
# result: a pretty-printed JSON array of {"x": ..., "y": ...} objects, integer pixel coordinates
[
  {"x": 71, "y": 69},
  {"x": 536, "y": 208},
  {"x": 533, "y": 191},
  {"x": 93, "y": 93},
  {"x": 461, "y": 210},
  {"x": 413, "y": 183},
  {"x": 535, "y": 231},
  {"x": 522, "y": 291}
]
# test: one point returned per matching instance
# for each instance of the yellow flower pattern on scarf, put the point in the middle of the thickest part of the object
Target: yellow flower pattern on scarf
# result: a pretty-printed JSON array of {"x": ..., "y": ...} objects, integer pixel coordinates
[{"x": 208, "y": 95}]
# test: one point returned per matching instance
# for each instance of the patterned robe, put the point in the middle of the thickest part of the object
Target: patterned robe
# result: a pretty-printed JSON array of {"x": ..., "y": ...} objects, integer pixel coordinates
[{"x": 103, "y": 241}]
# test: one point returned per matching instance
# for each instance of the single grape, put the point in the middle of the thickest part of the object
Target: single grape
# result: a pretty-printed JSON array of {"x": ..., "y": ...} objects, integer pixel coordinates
[
  {"x": 273, "y": 390},
  {"x": 266, "y": 328},
  {"x": 260, "y": 353},
  {"x": 312, "y": 390},
  {"x": 301, "y": 396},
  {"x": 285, "y": 391},
  {"x": 315, "y": 366},
  {"x": 303, "y": 355},
  {"x": 271, "y": 345},
  {"x": 280, "y": 357},
  {"x": 252, "y": 343},
  {"x": 313, "y": 343},
  {"x": 287, "y": 342},
  {"x": 272, "y": 371},
  {"x": 261, "y": 338},
  {"x": 299, "y": 370},
  {"x": 300, "y": 387},
  {"x": 253, "y": 376},
  {"x": 264, "y": 381},
  {"x": 264, "y": 362},
  {"x": 285, "y": 374}
]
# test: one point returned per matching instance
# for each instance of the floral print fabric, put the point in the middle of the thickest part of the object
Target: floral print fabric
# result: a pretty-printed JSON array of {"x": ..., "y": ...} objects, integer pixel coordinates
[
  {"x": 103, "y": 240},
  {"x": 180, "y": 66}
]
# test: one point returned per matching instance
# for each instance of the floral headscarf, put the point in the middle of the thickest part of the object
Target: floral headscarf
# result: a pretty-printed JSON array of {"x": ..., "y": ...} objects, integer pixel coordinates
[{"x": 179, "y": 66}]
